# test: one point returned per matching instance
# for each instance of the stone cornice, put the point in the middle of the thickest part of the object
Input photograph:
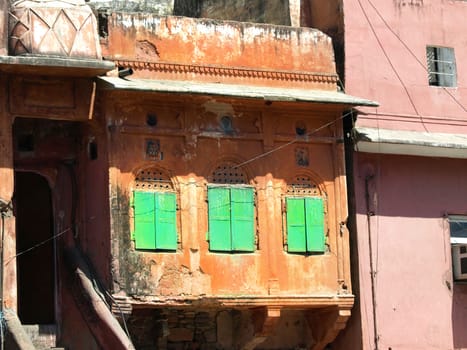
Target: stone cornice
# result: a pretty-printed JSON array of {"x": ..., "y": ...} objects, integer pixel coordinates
[{"x": 229, "y": 72}]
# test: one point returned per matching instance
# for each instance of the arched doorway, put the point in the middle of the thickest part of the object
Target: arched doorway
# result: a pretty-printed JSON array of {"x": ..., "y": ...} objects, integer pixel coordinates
[{"x": 36, "y": 249}]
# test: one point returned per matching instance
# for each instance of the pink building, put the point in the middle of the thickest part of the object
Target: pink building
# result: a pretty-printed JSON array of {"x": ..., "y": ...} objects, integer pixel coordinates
[{"x": 409, "y": 168}]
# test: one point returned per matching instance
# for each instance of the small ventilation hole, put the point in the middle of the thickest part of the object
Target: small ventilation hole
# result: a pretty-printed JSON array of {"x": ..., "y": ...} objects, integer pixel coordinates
[
  {"x": 300, "y": 128},
  {"x": 151, "y": 120}
]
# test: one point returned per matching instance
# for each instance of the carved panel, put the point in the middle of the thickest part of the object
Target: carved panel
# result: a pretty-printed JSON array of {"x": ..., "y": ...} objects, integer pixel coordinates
[
  {"x": 62, "y": 99},
  {"x": 66, "y": 30}
]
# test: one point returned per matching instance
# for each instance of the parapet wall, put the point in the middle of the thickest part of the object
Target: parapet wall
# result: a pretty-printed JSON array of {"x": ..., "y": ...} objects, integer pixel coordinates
[{"x": 209, "y": 43}]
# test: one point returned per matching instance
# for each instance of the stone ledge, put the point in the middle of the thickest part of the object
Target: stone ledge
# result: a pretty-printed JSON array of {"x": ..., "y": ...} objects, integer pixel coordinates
[
  {"x": 54, "y": 66},
  {"x": 295, "y": 302}
]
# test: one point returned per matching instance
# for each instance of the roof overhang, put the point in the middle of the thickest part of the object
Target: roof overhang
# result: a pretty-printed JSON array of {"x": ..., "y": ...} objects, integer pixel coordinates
[
  {"x": 374, "y": 140},
  {"x": 234, "y": 90},
  {"x": 54, "y": 66}
]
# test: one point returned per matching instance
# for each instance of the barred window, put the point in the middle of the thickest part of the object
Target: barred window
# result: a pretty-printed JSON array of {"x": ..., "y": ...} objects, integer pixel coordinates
[{"x": 441, "y": 65}]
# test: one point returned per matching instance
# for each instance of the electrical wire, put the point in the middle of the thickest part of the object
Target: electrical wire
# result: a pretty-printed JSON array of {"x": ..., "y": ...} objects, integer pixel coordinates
[
  {"x": 380, "y": 44},
  {"x": 110, "y": 296},
  {"x": 37, "y": 245},
  {"x": 300, "y": 139},
  {"x": 412, "y": 53}
]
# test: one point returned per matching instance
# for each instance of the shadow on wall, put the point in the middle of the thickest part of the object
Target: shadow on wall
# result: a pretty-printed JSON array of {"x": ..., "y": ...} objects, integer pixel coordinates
[
  {"x": 411, "y": 187},
  {"x": 256, "y": 11},
  {"x": 459, "y": 316}
]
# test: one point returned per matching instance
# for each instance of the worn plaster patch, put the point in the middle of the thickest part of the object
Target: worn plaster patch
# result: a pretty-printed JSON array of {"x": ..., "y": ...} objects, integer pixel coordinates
[{"x": 218, "y": 107}]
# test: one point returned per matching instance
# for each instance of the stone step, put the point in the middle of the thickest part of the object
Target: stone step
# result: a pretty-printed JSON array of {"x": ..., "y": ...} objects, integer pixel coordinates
[{"x": 43, "y": 336}]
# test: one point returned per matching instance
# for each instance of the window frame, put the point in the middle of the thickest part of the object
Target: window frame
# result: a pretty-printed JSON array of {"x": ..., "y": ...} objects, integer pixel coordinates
[
  {"x": 309, "y": 246},
  {"x": 441, "y": 66},
  {"x": 225, "y": 243},
  {"x": 458, "y": 247},
  {"x": 159, "y": 245}
]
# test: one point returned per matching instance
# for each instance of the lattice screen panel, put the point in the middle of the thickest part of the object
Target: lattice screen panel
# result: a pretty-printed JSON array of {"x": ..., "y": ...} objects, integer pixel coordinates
[
  {"x": 303, "y": 186},
  {"x": 228, "y": 174},
  {"x": 153, "y": 179}
]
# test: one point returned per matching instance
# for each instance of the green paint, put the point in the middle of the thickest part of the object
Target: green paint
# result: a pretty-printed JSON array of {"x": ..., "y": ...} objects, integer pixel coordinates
[
  {"x": 305, "y": 225},
  {"x": 231, "y": 219},
  {"x": 155, "y": 220}
]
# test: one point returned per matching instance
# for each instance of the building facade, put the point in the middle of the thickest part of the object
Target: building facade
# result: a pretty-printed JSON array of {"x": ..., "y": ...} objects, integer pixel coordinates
[
  {"x": 184, "y": 176},
  {"x": 408, "y": 169}
]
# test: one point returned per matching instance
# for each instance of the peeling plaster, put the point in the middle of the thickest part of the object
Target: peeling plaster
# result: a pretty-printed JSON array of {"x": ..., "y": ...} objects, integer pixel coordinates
[{"x": 219, "y": 107}]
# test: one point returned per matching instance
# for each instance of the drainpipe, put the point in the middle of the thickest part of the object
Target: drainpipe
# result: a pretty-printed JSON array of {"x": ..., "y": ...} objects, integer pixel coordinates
[{"x": 369, "y": 214}]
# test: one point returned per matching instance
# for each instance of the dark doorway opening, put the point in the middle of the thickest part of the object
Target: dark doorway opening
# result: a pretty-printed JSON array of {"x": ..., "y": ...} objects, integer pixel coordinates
[{"x": 34, "y": 237}]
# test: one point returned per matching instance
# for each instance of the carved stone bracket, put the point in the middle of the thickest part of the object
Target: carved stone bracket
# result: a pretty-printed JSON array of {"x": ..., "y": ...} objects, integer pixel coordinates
[
  {"x": 265, "y": 320},
  {"x": 325, "y": 324}
]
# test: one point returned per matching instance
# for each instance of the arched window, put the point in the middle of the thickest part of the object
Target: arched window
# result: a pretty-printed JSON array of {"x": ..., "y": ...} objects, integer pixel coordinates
[
  {"x": 304, "y": 217},
  {"x": 155, "y": 211},
  {"x": 231, "y": 211}
]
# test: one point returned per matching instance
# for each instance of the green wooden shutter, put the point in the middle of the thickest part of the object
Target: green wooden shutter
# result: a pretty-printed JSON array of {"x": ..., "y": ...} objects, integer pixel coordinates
[
  {"x": 242, "y": 220},
  {"x": 219, "y": 219},
  {"x": 166, "y": 222},
  {"x": 144, "y": 212},
  {"x": 314, "y": 207},
  {"x": 296, "y": 227}
]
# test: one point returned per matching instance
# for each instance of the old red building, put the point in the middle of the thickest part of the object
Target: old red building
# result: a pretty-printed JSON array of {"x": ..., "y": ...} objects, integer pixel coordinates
[{"x": 196, "y": 192}]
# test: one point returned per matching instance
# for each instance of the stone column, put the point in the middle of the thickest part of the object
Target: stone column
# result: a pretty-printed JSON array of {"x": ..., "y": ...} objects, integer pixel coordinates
[
  {"x": 294, "y": 8},
  {"x": 6, "y": 194},
  {"x": 4, "y": 4}
]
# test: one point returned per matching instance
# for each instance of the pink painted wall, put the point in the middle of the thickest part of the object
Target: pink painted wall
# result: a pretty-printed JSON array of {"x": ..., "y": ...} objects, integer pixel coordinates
[
  {"x": 368, "y": 73},
  {"x": 418, "y": 306}
]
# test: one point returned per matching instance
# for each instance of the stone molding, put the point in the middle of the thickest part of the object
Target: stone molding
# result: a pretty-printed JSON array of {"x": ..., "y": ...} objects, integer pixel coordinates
[{"x": 210, "y": 71}]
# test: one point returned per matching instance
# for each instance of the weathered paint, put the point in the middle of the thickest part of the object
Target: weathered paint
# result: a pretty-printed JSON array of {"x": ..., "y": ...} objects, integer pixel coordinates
[
  {"x": 205, "y": 42},
  {"x": 193, "y": 144},
  {"x": 3, "y": 27},
  {"x": 6, "y": 195},
  {"x": 92, "y": 192},
  {"x": 55, "y": 28},
  {"x": 229, "y": 274}
]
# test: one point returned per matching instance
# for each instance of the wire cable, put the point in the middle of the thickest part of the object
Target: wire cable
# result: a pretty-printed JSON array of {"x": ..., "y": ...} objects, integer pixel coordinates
[
  {"x": 380, "y": 44},
  {"x": 301, "y": 139},
  {"x": 412, "y": 53},
  {"x": 37, "y": 245}
]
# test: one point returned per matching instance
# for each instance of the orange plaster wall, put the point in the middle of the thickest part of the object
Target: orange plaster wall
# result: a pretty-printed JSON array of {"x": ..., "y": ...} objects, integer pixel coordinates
[
  {"x": 209, "y": 42},
  {"x": 193, "y": 144}
]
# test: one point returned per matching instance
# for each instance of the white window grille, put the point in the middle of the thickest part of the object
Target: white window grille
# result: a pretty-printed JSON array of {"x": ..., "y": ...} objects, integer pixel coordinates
[{"x": 458, "y": 231}]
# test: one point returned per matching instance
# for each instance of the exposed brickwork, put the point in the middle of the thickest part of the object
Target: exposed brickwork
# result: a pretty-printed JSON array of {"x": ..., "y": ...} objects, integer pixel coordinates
[
  {"x": 206, "y": 329},
  {"x": 175, "y": 329}
]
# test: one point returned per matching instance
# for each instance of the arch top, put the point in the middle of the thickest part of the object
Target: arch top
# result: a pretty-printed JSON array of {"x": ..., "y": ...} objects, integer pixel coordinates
[
  {"x": 304, "y": 184},
  {"x": 153, "y": 179}
]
